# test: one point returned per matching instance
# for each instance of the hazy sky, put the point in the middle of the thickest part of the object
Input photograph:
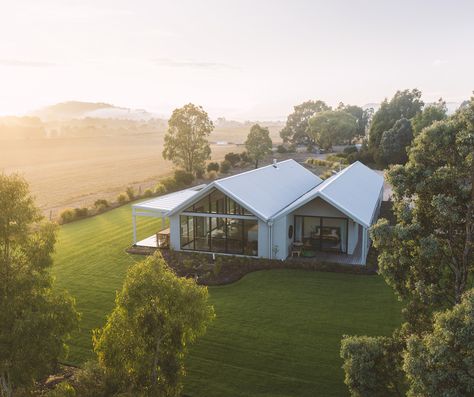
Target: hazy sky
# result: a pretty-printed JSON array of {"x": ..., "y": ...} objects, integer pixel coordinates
[{"x": 240, "y": 59}]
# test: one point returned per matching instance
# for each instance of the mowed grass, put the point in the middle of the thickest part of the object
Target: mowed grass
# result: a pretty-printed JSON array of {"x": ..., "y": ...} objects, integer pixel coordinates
[{"x": 277, "y": 333}]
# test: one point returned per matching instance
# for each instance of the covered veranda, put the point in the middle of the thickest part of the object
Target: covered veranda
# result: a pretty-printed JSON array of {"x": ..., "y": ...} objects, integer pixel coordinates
[{"x": 159, "y": 207}]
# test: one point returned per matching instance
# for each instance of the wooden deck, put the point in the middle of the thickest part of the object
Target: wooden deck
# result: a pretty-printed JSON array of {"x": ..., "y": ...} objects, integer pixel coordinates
[{"x": 149, "y": 242}]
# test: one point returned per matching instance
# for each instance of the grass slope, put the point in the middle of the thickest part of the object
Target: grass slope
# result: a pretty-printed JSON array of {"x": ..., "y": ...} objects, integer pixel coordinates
[
  {"x": 91, "y": 262},
  {"x": 277, "y": 333}
]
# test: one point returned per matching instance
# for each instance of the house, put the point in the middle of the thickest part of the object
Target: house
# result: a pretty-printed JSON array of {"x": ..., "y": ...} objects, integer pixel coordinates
[{"x": 272, "y": 212}]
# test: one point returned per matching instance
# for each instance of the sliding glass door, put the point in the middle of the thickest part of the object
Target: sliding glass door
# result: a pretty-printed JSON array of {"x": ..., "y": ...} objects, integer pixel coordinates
[
  {"x": 321, "y": 233},
  {"x": 221, "y": 235}
]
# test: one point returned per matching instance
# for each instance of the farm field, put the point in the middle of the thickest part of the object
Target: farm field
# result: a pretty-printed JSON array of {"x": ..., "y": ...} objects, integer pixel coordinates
[
  {"x": 74, "y": 172},
  {"x": 277, "y": 333}
]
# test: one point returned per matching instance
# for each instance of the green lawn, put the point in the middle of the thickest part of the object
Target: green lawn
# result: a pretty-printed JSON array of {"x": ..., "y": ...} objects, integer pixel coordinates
[{"x": 277, "y": 333}]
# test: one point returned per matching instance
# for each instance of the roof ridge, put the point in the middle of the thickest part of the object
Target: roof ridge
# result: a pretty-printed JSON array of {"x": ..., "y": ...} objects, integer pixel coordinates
[{"x": 256, "y": 169}]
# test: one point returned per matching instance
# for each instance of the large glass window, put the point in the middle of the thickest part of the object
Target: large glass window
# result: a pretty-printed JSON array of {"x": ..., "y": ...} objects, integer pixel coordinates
[
  {"x": 215, "y": 234},
  {"x": 321, "y": 233},
  {"x": 217, "y": 203}
]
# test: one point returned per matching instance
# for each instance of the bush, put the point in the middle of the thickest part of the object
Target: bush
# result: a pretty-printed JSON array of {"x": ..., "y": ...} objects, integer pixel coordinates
[
  {"x": 199, "y": 172},
  {"x": 148, "y": 193},
  {"x": 169, "y": 184},
  {"x": 214, "y": 166},
  {"x": 101, "y": 204},
  {"x": 81, "y": 212},
  {"x": 232, "y": 158},
  {"x": 67, "y": 215},
  {"x": 350, "y": 149},
  {"x": 160, "y": 189},
  {"x": 130, "y": 193},
  {"x": 225, "y": 166},
  {"x": 326, "y": 174},
  {"x": 245, "y": 158},
  {"x": 183, "y": 178},
  {"x": 212, "y": 175},
  {"x": 91, "y": 381},
  {"x": 337, "y": 158},
  {"x": 63, "y": 389},
  {"x": 319, "y": 162},
  {"x": 72, "y": 214},
  {"x": 281, "y": 149},
  {"x": 122, "y": 198}
]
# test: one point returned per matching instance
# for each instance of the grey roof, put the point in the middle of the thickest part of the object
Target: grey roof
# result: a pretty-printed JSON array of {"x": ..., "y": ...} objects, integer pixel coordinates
[
  {"x": 276, "y": 190},
  {"x": 354, "y": 191},
  {"x": 169, "y": 201},
  {"x": 263, "y": 191}
]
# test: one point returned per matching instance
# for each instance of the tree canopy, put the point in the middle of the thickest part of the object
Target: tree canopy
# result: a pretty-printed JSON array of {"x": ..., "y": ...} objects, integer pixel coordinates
[
  {"x": 258, "y": 143},
  {"x": 396, "y": 141},
  {"x": 430, "y": 114},
  {"x": 296, "y": 128},
  {"x": 404, "y": 104},
  {"x": 186, "y": 143},
  {"x": 427, "y": 256},
  {"x": 156, "y": 316},
  {"x": 332, "y": 127},
  {"x": 35, "y": 320},
  {"x": 362, "y": 116},
  {"x": 441, "y": 362}
]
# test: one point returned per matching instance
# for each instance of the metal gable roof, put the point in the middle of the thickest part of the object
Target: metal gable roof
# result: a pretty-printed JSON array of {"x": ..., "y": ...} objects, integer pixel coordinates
[
  {"x": 354, "y": 191},
  {"x": 264, "y": 191},
  {"x": 169, "y": 201}
]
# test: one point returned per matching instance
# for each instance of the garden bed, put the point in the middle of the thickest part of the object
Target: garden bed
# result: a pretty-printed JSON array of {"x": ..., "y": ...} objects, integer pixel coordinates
[{"x": 229, "y": 269}]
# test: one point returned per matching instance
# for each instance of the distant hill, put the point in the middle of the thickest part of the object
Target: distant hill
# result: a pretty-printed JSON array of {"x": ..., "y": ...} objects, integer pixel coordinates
[{"x": 80, "y": 110}]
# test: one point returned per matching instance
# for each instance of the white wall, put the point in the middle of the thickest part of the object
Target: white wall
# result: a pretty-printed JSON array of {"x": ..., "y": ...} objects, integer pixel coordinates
[
  {"x": 174, "y": 232},
  {"x": 262, "y": 239},
  {"x": 280, "y": 237},
  {"x": 353, "y": 236},
  {"x": 319, "y": 207}
]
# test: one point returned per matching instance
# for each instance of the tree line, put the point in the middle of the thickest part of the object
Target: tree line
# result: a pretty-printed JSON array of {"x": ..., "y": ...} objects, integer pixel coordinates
[{"x": 426, "y": 257}]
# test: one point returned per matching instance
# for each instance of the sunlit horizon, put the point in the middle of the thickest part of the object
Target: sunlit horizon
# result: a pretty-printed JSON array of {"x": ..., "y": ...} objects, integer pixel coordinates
[{"x": 240, "y": 61}]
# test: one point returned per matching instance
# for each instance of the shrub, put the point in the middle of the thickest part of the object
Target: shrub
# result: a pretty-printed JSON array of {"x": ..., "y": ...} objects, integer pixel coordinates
[
  {"x": 183, "y": 178},
  {"x": 81, "y": 212},
  {"x": 214, "y": 166},
  {"x": 67, "y": 215},
  {"x": 160, "y": 189},
  {"x": 148, "y": 193},
  {"x": 212, "y": 175},
  {"x": 337, "y": 158},
  {"x": 122, "y": 198},
  {"x": 199, "y": 172},
  {"x": 72, "y": 214},
  {"x": 130, "y": 193},
  {"x": 245, "y": 158},
  {"x": 281, "y": 149},
  {"x": 350, "y": 149},
  {"x": 232, "y": 158},
  {"x": 169, "y": 184},
  {"x": 225, "y": 166},
  {"x": 319, "y": 162},
  {"x": 101, "y": 204},
  {"x": 91, "y": 381},
  {"x": 63, "y": 389},
  {"x": 326, "y": 174},
  {"x": 217, "y": 267}
]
